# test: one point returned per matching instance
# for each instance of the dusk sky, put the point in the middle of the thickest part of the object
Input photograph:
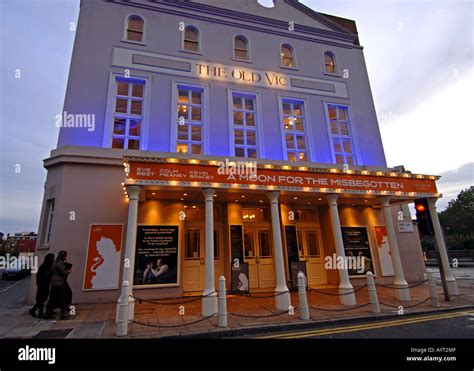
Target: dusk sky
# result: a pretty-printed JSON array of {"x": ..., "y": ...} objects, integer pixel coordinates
[{"x": 419, "y": 56}]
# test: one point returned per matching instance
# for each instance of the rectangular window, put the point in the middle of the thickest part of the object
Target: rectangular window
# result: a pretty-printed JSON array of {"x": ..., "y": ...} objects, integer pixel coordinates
[
  {"x": 128, "y": 114},
  {"x": 244, "y": 116},
  {"x": 190, "y": 120},
  {"x": 293, "y": 121},
  {"x": 342, "y": 142},
  {"x": 49, "y": 223}
]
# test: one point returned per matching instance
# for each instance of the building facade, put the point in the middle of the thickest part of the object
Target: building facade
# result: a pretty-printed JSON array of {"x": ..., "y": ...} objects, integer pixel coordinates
[{"x": 208, "y": 138}]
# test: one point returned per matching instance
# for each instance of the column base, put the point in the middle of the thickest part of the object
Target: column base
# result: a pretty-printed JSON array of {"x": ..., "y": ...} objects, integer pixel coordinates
[
  {"x": 209, "y": 305},
  {"x": 348, "y": 299},
  {"x": 131, "y": 308},
  {"x": 402, "y": 294},
  {"x": 452, "y": 287},
  {"x": 283, "y": 301}
]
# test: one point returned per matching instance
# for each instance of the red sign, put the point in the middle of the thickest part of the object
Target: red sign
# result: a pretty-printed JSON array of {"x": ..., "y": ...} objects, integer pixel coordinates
[
  {"x": 26, "y": 246},
  {"x": 187, "y": 173}
]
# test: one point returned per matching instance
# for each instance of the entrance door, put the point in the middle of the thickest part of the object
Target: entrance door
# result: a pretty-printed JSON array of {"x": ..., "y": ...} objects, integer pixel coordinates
[
  {"x": 258, "y": 253},
  {"x": 194, "y": 274},
  {"x": 311, "y": 251}
]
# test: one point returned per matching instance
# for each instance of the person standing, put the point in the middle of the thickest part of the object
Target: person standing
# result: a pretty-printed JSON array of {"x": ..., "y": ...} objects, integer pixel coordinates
[
  {"x": 43, "y": 281},
  {"x": 57, "y": 296}
]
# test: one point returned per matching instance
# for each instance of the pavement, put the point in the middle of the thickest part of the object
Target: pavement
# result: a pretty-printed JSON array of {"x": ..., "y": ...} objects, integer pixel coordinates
[{"x": 250, "y": 315}]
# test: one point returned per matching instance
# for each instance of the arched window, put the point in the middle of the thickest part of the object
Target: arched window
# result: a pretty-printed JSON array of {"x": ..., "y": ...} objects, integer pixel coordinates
[
  {"x": 329, "y": 62},
  {"x": 135, "y": 28},
  {"x": 191, "y": 39},
  {"x": 241, "y": 47},
  {"x": 287, "y": 56}
]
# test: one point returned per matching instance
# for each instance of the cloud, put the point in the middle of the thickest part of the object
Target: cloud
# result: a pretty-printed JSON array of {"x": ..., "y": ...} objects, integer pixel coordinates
[{"x": 453, "y": 182}]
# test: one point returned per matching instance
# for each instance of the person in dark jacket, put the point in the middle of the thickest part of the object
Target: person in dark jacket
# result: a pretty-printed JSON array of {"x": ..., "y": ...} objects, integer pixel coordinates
[
  {"x": 43, "y": 281},
  {"x": 57, "y": 297}
]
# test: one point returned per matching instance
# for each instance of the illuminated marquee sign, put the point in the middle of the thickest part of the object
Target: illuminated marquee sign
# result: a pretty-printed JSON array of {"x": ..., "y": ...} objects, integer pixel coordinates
[{"x": 176, "y": 173}]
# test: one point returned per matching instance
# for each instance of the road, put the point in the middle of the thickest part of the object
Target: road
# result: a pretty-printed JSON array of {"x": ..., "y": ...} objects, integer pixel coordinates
[
  {"x": 454, "y": 325},
  {"x": 13, "y": 293}
]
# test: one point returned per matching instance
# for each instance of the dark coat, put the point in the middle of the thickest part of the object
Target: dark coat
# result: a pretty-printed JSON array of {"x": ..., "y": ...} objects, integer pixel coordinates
[{"x": 43, "y": 282}]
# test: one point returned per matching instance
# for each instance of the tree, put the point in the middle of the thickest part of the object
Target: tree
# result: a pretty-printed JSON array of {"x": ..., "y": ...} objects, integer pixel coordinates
[{"x": 458, "y": 219}]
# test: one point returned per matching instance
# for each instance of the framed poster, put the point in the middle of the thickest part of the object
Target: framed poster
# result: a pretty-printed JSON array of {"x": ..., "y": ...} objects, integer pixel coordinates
[
  {"x": 383, "y": 248},
  {"x": 104, "y": 251},
  {"x": 356, "y": 246},
  {"x": 156, "y": 257},
  {"x": 240, "y": 278}
]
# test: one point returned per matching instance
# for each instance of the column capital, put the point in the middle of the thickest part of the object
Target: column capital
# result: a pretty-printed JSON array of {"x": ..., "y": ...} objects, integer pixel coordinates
[
  {"x": 208, "y": 193},
  {"x": 273, "y": 196},
  {"x": 385, "y": 201},
  {"x": 332, "y": 199},
  {"x": 133, "y": 191}
]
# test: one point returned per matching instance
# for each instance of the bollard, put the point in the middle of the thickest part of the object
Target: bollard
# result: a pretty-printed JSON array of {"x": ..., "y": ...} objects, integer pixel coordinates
[
  {"x": 222, "y": 306},
  {"x": 372, "y": 293},
  {"x": 433, "y": 291},
  {"x": 303, "y": 300},
  {"x": 122, "y": 311}
]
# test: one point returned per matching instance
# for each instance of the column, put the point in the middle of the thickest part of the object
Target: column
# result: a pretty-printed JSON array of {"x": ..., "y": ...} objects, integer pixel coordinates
[
  {"x": 209, "y": 302},
  {"x": 344, "y": 282},
  {"x": 450, "y": 280},
  {"x": 399, "y": 281},
  {"x": 283, "y": 301},
  {"x": 126, "y": 308}
]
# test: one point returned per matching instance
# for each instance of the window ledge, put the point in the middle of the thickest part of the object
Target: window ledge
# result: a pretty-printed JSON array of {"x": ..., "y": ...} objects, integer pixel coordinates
[
  {"x": 289, "y": 68},
  {"x": 332, "y": 74},
  {"x": 189, "y": 51},
  {"x": 43, "y": 247},
  {"x": 133, "y": 42},
  {"x": 242, "y": 60}
]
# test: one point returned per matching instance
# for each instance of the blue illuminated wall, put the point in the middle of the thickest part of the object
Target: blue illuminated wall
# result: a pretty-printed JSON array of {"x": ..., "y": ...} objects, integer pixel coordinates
[{"x": 100, "y": 29}]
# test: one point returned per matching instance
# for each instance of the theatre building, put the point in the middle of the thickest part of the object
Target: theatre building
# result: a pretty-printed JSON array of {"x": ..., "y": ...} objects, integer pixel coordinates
[{"x": 208, "y": 138}]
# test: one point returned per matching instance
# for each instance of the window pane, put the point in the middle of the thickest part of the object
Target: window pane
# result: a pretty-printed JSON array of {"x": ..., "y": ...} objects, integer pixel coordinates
[
  {"x": 290, "y": 143},
  {"x": 313, "y": 245},
  {"x": 182, "y": 148},
  {"x": 337, "y": 146},
  {"x": 342, "y": 114},
  {"x": 239, "y": 152},
  {"x": 350, "y": 160},
  {"x": 195, "y": 149},
  {"x": 301, "y": 142},
  {"x": 216, "y": 245},
  {"x": 287, "y": 62},
  {"x": 134, "y": 36},
  {"x": 183, "y": 132},
  {"x": 251, "y": 138},
  {"x": 289, "y": 123},
  {"x": 135, "y": 24},
  {"x": 133, "y": 144},
  {"x": 119, "y": 126},
  {"x": 332, "y": 112},
  {"x": 302, "y": 156},
  {"x": 122, "y": 88},
  {"x": 334, "y": 127},
  {"x": 191, "y": 45},
  {"x": 196, "y": 97},
  {"x": 286, "y": 109},
  {"x": 190, "y": 34},
  {"x": 250, "y": 119},
  {"x": 134, "y": 128},
  {"x": 242, "y": 54},
  {"x": 136, "y": 107},
  {"x": 297, "y": 109},
  {"x": 240, "y": 43},
  {"x": 344, "y": 129},
  {"x": 339, "y": 159},
  {"x": 292, "y": 156},
  {"x": 299, "y": 124},
  {"x": 252, "y": 153},
  {"x": 183, "y": 96},
  {"x": 183, "y": 112},
  {"x": 239, "y": 137},
  {"x": 196, "y": 114},
  {"x": 238, "y": 118},
  {"x": 118, "y": 143},
  {"x": 121, "y": 106},
  {"x": 237, "y": 101},
  {"x": 249, "y": 104},
  {"x": 137, "y": 90},
  {"x": 196, "y": 133},
  {"x": 264, "y": 244},
  {"x": 347, "y": 146},
  {"x": 192, "y": 242},
  {"x": 248, "y": 245}
]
